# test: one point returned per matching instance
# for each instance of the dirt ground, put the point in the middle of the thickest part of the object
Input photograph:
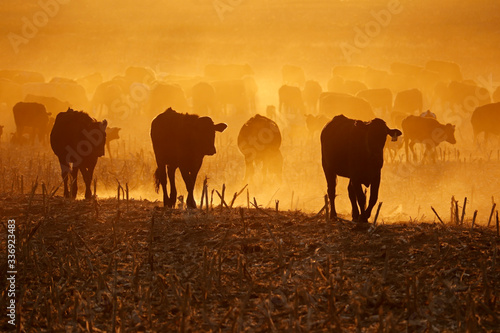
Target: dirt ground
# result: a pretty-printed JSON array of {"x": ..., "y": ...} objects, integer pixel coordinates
[{"x": 130, "y": 266}]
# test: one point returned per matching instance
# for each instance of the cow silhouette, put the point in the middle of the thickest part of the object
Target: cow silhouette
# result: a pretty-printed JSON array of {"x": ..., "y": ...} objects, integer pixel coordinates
[
  {"x": 354, "y": 149},
  {"x": 78, "y": 141},
  {"x": 181, "y": 141}
]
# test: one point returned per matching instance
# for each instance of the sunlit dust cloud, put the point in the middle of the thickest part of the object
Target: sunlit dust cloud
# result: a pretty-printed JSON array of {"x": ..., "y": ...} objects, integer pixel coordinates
[{"x": 128, "y": 62}]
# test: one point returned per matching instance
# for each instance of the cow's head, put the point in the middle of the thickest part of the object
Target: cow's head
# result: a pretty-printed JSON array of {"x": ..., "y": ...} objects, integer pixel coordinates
[
  {"x": 378, "y": 131},
  {"x": 449, "y": 131},
  {"x": 96, "y": 134},
  {"x": 205, "y": 132}
]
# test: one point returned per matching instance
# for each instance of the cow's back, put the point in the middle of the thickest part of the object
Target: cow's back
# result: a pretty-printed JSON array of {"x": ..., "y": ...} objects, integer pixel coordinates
[
  {"x": 171, "y": 135},
  {"x": 30, "y": 114},
  {"x": 260, "y": 133},
  {"x": 337, "y": 144},
  {"x": 419, "y": 128},
  {"x": 67, "y": 131}
]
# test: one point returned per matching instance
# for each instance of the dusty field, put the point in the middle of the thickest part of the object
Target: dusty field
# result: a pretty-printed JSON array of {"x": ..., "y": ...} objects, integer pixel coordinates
[{"x": 132, "y": 266}]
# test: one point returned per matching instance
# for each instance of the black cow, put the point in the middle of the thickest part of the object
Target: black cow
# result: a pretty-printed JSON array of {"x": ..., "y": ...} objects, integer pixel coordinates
[
  {"x": 427, "y": 131},
  {"x": 78, "y": 141},
  {"x": 33, "y": 116},
  {"x": 259, "y": 141},
  {"x": 181, "y": 141},
  {"x": 486, "y": 119},
  {"x": 354, "y": 149}
]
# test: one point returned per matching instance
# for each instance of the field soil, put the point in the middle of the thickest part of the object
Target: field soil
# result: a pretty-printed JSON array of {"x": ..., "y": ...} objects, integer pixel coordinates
[{"x": 131, "y": 266}]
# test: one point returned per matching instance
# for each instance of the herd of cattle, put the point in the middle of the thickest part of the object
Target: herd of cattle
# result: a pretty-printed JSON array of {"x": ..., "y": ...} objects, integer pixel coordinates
[{"x": 349, "y": 115}]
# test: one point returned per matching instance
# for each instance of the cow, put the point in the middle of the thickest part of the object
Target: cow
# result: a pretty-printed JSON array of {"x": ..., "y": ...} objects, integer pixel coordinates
[
  {"x": 409, "y": 101},
  {"x": 311, "y": 92},
  {"x": 379, "y": 99},
  {"x": 486, "y": 119},
  {"x": 52, "y": 104},
  {"x": 354, "y": 149},
  {"x": 293, "y": 75},
  {"x": 203, "y": 98},
  {"x": 290, "y": 100},
  {"x": 332, "y": 104},
  {"x": 259, "y": 141},
  {"x": 181, "y": 141},
  {"x": 165, "y": 95},
  {"x": 78, "y": 141},
  {"x": 427, "y": 131},
  {"x": 315, "y": 124},
  {"x": 112, "y": 133},
  {"x": 33, "y": 116}
]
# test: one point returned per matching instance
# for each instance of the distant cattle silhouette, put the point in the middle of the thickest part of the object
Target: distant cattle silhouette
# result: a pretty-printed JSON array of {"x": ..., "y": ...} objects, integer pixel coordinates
[
  {"x": 290, "y": 99},
  {"x": 427, "y": 131},
  {"x": 486, "y": 119},
  {"x": 293, "y": 75},
  {"x": 409, "y": 101},
  {"x": 379, "y": 99},
  {"x": 465, "y": 96},
  {"x": 140, "y": 74},
  {"x": 315, "y": 124},
  {"x": 181, "y": 141},
  {"x": 64, "y": 90},
  {"x": 351, "y": 72},
  {"x": 311, "y": 92},
  {"x": 112, "y": 133},
  {"x": 165, "y": 95},
  {"x": 338, "y": 85},
  {"x": 354, "y": 149},
  {"x": 235, "y": 96},
  {"x": 259, "y": 140},
  {"x": 32, "y": 116},
  {"x": 333, "y": 104},
  {"x": 78, "y": 141},
  {"x": 52, "y": 104},
  {"x": 204, "y": 98},
  {"x": 108, "y": 97}
]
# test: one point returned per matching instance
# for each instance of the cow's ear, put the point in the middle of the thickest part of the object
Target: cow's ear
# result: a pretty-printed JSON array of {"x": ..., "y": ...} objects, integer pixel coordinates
[
  {"x": 104, "y": 124},
  {"x": 394, "y": 133},
  {"x": 220, "y": 127}
]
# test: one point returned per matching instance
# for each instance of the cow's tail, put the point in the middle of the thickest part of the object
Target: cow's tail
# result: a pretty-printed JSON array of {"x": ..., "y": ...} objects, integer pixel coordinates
[{"x": 157, "y": 180}]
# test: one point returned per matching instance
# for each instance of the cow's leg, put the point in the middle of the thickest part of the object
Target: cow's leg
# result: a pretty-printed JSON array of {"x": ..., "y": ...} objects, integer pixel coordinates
[
  {"x": 331, "y": 181},
  {"x": 74, "y": 181},
  {"x": 87, "y": 178},
  {"x": 374, "y": 187},
  {"x": 161, "y": 178},
  {"x": 173, "y": 190},
  {"x": 189, "y": 177},
  {"x": 354, "y": 201},
  {"x": 361, "y": 198},
  {"x": 65, "y": 170}
]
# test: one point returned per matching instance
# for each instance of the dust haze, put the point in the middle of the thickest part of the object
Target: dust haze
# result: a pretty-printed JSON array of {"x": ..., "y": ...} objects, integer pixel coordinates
[{"x": 176, "y": 41}]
